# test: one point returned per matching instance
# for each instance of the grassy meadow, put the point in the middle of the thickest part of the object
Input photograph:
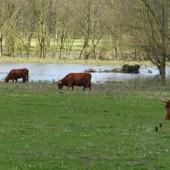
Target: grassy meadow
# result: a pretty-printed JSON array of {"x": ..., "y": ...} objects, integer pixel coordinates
[
  {"x": 71, "y": 61},
  {"x": 111, "y": 127}
]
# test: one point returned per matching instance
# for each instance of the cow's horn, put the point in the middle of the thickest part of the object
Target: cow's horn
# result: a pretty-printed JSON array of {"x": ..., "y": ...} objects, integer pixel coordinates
[{"x": 163, "y": 99}]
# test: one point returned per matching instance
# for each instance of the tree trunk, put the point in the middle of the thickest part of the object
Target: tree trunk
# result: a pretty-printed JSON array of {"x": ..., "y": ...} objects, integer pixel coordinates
[
  {"x": 162, "y": 71},
  {"x": 1, "y": 46}
]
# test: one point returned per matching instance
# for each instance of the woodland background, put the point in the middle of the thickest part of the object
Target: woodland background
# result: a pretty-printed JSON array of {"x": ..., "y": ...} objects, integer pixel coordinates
[{"x": 97, "y": 29}]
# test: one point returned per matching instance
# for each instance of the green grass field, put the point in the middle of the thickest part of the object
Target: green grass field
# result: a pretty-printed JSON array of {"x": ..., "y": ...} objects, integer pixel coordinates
[{"x": 110, "y": 128}]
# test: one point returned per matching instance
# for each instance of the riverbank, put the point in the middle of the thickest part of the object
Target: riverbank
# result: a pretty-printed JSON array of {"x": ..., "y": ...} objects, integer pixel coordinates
[{"x": 70, "y": 61}]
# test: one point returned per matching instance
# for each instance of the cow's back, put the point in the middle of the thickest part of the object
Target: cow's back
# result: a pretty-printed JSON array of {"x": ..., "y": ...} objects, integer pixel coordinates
[
  {"x": 79, "y": 78},
  {"x": 20, "y": 72}
]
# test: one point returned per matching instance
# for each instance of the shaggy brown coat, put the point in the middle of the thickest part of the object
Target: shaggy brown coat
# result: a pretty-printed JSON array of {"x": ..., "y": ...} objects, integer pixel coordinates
[
  {"x": 167, "y": 107},
  {"x": 75, "y": 79},
  {"x": 16, "y": 74}
]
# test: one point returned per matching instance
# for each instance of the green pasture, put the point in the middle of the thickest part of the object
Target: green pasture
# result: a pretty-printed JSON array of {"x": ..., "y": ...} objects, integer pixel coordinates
[{"x": 110, "y": 128}]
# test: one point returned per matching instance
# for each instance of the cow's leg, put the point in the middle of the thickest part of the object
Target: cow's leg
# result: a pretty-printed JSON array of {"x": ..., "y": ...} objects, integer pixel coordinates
[
  {"x": 84, "y": 87},
  {"x": 71, "y": 85},
  {"x": 90, "y": 87},
  {"x": 27, "y": 78},
  {"x": 24, "y": 79},
  {"x": 68, "y": 87}
]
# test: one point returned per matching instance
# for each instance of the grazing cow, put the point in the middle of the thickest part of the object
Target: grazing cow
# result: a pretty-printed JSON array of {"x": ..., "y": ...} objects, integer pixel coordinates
[
  {"x": 167, "y": 107},
  {"x": 16, "y": 74},
  {"x": 75, "y": 79}
]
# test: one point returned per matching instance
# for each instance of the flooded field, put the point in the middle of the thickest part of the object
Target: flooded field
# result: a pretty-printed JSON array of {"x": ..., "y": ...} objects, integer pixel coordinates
[{"x": 54, "y": 72}]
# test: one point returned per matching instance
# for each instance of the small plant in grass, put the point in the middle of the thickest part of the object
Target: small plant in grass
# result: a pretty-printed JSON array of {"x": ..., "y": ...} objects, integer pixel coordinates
[
  {"x": 160, "y": 126},
  {"x": 156, "y": 148},
  {"x": 156, "y": 145}
]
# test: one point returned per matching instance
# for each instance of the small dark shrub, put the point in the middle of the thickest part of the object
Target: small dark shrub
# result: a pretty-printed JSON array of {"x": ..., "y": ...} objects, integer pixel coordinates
[{"x": 130, "y": 68}]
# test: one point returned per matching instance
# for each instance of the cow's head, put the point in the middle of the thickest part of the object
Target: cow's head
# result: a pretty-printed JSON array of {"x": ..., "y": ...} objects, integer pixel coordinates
[
  {"x": 60, "y": 84},
  {"x": 167, "y": 103},
  {"x": 6, "y": 79}
]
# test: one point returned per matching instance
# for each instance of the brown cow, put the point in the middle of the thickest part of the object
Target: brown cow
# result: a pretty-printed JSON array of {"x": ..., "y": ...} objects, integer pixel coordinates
[
  {"x": 75, "y": 79},
  {"x": 16, "y": 74},
  {"x": 167, "y": 107}
]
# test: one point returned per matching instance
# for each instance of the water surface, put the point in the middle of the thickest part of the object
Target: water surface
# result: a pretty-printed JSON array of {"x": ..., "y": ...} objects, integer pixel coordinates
[{"x": 54, "y": 72}]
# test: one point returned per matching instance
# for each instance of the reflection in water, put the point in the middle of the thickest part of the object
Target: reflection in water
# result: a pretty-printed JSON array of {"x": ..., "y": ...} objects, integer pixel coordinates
[{"x": 54, "y": 72}]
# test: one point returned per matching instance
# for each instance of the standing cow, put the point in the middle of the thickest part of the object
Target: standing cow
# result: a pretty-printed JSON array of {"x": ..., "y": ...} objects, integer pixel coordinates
[
  {"x": 75, "y": 79},
  {"x": 16, "y": 74}
]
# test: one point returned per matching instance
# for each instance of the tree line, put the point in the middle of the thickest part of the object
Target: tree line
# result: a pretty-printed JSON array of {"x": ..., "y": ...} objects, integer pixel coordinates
[{"x": 120, "y": 29}]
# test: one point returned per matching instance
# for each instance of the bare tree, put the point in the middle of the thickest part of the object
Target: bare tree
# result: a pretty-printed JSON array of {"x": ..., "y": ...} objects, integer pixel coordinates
[
  {"x": 2, "y": 20},
  {"x": 114, "y": 19},
  {"x": 40, "y": 15},
  {"x": 84, "y": 13},
  {"x": 88, "y": 26},
  {"x": 157, "y": 14},
  {"x": 62, "y": 25},
  {"x": 26, "y": 28},
  {"x": 11, "y": 16}
]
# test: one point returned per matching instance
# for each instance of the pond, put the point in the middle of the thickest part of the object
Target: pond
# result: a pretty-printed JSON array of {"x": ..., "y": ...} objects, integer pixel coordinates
[{"x": 54, "y": 72}]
